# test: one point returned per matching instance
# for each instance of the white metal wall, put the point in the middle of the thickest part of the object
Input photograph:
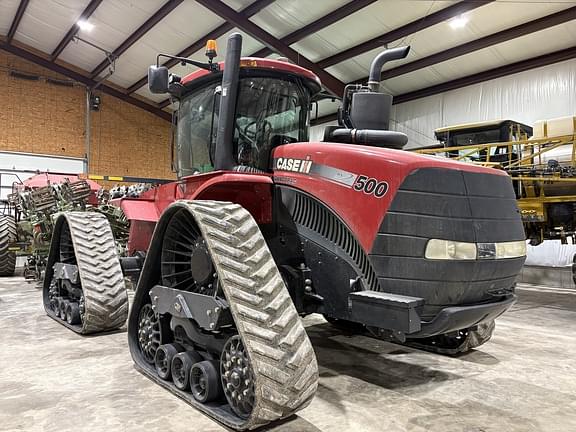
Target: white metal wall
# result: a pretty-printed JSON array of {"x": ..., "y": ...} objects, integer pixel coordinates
[{"x": 537, "y": 94}]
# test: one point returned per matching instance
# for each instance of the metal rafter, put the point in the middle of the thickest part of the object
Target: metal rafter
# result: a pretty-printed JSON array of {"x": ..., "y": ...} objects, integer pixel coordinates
[
  {"x": 16, "y": 21},
  {"x": 484, "y": 42},
  {"x": 487, "y": 75},
  {"x": 92, "y": 6},
  {"x": 222, "y": 29},
  {"x": 331, "y": 83},
  {"x": 319, "y": 24},
  {"x": 41, "y": 61},
  {"x": 401, "y": 32},
  {"x": 158, "y": 16}
]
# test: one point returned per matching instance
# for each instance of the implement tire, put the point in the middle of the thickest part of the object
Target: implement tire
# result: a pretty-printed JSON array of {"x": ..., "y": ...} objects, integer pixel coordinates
[{"x": 7, "y": 237}]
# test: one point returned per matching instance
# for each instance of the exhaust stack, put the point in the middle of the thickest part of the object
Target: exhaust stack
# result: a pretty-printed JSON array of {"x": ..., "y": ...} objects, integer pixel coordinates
[
  {"x": 224, "y": 158},
  {"x": 379, "y": 61}
]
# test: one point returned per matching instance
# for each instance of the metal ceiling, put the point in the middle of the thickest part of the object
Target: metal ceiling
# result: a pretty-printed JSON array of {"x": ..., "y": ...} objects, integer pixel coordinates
[{"x": 334, "y": 38}]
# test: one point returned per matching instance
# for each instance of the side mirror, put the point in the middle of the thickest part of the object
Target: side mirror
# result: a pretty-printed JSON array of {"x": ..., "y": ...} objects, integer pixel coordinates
[{"x": 158, "y": 79}]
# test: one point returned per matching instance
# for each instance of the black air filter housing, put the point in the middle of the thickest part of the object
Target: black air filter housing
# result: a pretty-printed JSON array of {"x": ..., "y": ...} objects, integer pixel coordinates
[{"x": 371, "y": 110}]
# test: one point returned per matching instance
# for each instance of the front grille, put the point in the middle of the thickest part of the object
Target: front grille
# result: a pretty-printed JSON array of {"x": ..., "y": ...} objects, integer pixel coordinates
[{"x": 450, "y": 205}]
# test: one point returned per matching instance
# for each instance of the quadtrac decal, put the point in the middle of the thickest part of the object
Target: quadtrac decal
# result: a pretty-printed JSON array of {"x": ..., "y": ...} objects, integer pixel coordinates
[{"x": 357, "y": 182}]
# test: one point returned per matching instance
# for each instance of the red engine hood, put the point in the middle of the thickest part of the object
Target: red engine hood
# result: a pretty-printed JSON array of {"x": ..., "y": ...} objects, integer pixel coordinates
[{"x": 356, "y": 182}]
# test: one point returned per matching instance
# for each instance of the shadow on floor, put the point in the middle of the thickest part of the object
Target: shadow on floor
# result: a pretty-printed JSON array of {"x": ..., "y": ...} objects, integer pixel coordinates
[
  {"x": 291, "y": 424},
  {"x": 371, "y": 366}
]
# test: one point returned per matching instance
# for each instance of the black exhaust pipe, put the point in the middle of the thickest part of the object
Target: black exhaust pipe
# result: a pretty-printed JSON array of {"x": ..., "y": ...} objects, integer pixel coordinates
[
  {"x": 224, "y": 158},
  {"x": 377, "y": 64}
]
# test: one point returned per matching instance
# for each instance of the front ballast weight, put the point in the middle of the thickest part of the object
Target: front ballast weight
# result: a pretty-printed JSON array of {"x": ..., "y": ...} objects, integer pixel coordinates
[
  {"x": 84, "y": 287},
  {"x": 213, "y": 322}
]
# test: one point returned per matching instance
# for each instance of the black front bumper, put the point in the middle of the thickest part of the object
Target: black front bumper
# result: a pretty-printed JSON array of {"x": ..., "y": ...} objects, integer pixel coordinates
[
  {"x": 462, "y": 317},
  {"x": 403, "y": 314}
]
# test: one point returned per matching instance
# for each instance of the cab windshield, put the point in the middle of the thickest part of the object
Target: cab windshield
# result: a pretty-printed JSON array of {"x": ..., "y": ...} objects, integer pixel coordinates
[{"x": 270, "y": 112}]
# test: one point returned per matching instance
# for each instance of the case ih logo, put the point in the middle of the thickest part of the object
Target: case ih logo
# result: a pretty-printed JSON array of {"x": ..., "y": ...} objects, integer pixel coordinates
[
  {"x": 357, "y": 182},
  {"x": 294, "y": 165}
]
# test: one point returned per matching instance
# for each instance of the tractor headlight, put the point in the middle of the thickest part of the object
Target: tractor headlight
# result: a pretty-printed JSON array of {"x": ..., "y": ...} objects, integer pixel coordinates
[
  {"x": 513, "y": 249},
  {"x": 450, "y": 250}
]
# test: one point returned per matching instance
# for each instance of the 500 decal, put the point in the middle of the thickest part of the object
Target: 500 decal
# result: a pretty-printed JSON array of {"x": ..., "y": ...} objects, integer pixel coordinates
[{"x": 370, "y": 186}]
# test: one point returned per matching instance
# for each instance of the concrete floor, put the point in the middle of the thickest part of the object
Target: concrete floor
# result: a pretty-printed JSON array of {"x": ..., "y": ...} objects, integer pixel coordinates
[{"x": 524, "y": 379}]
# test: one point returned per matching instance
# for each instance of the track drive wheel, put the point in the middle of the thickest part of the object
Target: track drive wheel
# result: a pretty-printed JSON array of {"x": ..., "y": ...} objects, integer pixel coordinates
[{"x": 7, "y": 237}]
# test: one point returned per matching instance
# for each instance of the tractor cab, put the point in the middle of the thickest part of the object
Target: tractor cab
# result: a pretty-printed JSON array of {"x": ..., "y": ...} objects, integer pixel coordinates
[{"x": 271, "y": 108}]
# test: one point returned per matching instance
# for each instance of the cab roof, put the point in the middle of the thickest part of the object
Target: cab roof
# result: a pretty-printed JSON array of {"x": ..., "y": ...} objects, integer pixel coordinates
[
  {"x": 262, "y": 63},
  {"x": 478, "y": 125}
]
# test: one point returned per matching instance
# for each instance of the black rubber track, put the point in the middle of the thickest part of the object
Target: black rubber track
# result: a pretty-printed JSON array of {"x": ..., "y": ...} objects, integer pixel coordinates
[
  {"x": 105, "y": 297},
  {"x": 281, "y": 355},
  {"x": 7, "y": 237}
]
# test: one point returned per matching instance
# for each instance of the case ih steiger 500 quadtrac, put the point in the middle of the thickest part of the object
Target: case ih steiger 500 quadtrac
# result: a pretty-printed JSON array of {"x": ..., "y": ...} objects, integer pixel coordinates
[{"x": 263, "y": 227}]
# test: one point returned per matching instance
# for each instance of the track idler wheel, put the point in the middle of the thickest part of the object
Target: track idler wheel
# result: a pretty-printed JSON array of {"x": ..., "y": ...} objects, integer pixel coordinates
[
  {"x": 163, "y": 359},
  {"x": 148, "y": 333},
  {"x": 237, "y": 377},
  {"x": 205, "y": 381},
  {"x": 73, "y": 313},
  {"x": 181, "y": 366}
]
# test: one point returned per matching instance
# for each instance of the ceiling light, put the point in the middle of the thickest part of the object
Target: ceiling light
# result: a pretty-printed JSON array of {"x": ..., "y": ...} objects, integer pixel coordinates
[
  {"x": 458, "y": 22},
  {"x": 85, "y": 25}
]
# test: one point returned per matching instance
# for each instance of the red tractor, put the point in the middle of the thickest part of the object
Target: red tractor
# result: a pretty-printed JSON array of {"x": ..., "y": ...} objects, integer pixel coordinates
[{"x": 264, "y": 227}]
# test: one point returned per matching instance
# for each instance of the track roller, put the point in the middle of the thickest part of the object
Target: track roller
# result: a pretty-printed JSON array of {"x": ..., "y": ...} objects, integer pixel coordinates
[
  {"x": 181, "y": 366},
  {"x": 205, "y": 381},
  {"x": 63, "y": 307},
  {"x": 73, "y": 313},
  {"x": 163, "y": 359},
  {"x": 83, "y": 285},
  {"x": 210, "y": 284}
]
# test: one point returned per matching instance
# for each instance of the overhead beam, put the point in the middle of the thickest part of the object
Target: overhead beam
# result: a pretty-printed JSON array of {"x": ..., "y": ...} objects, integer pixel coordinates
[
  {"x": 158, "y": 16},
  {"x": 54, "y": 67},
  {"x": 16, "y": 21},
  {"x": 485, "y": 42},
  {"x": 222, "y": 29},
  {"x": 406, "y": 30},
  {"x": 329, "y": 19},
  {"x": 92, "y": 6},
  {"x": 499, "y": 72},
  {"x": 331, "y": 83},
  {"x": 164, "y": 103}
]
